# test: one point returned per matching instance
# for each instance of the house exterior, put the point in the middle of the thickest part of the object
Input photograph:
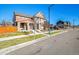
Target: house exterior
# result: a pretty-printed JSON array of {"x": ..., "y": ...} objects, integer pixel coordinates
[{"x": 29, "y": 23}]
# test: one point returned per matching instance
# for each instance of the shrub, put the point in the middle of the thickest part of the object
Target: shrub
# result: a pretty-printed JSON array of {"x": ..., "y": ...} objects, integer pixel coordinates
[{"x": 7, "y": 29}]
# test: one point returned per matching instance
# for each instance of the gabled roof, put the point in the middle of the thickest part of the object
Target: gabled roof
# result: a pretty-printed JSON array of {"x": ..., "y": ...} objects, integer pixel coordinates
[
  {"x": 39, "y": 14},
  {"x": 22, "y": 15}
]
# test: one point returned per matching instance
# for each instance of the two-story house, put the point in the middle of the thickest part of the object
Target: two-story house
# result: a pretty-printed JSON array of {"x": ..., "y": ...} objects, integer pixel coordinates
[{"x": 28, "y": 23}]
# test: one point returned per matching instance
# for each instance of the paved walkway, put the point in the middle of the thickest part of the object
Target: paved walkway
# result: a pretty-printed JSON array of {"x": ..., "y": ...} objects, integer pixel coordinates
[
  {"x": 15, "y": 37},
  {"x": 21, "y": 36}
]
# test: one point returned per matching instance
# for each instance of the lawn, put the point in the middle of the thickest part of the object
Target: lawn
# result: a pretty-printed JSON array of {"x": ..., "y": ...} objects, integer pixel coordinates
[
  {"x": 14, "y": 34},
  {"x": 51, "y": 33},
  {"x": 9, "y": 43},
  {"x": 54, "y": 32}
]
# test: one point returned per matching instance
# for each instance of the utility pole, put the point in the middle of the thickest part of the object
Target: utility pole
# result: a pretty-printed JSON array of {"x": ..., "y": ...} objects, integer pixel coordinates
[
  {"x": 49, "y": 18},
  {"x": 73, "y": 23},
  {"x": 49, "y": 9}
]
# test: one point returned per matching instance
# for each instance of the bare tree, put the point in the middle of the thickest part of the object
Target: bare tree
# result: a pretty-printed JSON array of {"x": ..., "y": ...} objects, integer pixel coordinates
[{"x": 6, "y": 23}]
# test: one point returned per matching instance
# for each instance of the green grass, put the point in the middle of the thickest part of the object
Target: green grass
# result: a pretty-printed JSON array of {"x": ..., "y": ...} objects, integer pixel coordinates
[
  {"x": 9, "y": 43},
  {"x": 51, "y": 33},
  {"x": 54, "y": 32},
  {"x": 14, "y": 34}
]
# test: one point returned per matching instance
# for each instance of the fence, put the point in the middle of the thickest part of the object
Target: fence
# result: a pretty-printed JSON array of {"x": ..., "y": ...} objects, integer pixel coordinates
[{"x": 7, "y": 29}]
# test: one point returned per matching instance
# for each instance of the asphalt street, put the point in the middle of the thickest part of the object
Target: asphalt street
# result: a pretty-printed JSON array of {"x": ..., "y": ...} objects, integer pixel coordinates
[{"x": 63, "y": 44}]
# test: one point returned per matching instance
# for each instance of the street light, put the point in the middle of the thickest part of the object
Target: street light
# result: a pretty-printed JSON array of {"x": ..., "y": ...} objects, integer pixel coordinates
[
  {"x": 73, "y": 23},
  {"x": 49, "y": 15}
]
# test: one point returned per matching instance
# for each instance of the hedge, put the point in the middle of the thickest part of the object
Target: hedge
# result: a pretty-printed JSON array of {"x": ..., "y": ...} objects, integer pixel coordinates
[{"x": 7, "y": 29}]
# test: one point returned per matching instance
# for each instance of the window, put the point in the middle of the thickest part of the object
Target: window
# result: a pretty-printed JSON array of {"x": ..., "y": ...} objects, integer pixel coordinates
[
  {"x": 37, "y": 26},
  {"x": 31, "y": 26}
]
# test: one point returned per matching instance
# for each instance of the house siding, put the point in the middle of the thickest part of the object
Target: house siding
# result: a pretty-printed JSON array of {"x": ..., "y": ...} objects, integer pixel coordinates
[{"x": 30, "y": 23}]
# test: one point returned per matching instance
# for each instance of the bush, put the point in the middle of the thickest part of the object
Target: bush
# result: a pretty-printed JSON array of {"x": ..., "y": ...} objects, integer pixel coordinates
[{"x": 7, "y": 29}]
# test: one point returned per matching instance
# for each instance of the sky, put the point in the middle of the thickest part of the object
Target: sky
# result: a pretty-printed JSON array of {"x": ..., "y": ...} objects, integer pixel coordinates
[{"x": 65, "y": 12}]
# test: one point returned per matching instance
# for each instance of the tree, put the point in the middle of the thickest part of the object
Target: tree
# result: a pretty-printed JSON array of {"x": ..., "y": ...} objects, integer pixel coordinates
[
  {"x": 63, "y": 24},
  {"x": 5, "y": 23},
  {"x": 60, "y": 24}
]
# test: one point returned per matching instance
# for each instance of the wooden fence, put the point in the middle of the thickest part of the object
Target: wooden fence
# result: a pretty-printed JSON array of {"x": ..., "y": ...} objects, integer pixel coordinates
[{"x": 7, "y": 29}]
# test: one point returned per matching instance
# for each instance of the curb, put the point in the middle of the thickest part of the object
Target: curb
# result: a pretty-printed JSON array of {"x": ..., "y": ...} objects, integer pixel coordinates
[
  {"x": 15, "y": 37},
  {"x": 20, "y": 36},
  {"x": 12, "y": 48}
]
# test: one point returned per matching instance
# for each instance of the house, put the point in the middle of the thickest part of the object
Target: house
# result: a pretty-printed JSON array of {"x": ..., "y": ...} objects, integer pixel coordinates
[
  {"x": 29, "y": 23},
  {"x": 51, "y": 26},
  {"x": 0, "y": 24}
]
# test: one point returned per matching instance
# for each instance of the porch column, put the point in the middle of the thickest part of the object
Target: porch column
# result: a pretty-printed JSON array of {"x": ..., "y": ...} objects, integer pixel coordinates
[
  {"x": 24, "y": 26},
  {"x": 28, "y": 27},
  {"x": 18, "y": 26}
]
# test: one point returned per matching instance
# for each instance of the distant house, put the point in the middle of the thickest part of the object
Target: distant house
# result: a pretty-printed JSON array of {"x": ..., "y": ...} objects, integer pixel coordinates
[
  {"x": 28, "y": 23},
  {"x": 51, "y": 26},
  {"x": 0, "y": 24}
]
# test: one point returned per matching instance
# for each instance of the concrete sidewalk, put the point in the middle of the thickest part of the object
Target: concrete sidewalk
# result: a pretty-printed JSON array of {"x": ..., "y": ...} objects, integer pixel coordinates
[
  {"x": 21, "y": 36},
  {"x": 15, "y": 37},
  {"x": 64, "y": 44},
  {"x": 12, "y": 48}
]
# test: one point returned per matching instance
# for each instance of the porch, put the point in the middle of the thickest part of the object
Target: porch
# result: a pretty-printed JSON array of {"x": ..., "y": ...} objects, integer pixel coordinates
[{"x": 25, "y": 26}]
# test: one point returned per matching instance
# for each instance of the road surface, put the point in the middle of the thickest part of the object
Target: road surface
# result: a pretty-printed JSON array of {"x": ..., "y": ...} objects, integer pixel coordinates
[{"x": 63, "y": 44}]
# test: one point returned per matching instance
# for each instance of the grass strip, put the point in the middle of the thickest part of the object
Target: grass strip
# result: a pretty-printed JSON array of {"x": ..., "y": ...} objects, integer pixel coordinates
[
  {"x": 9, "y": 43},
  {"x": 55, "y": 32},
  {"x": 13, "y": 34}
]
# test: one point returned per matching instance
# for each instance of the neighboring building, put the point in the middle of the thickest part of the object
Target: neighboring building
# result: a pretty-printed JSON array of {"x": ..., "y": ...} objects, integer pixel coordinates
[
  {"x": 28, "y": 23},
  {"x": 51, "y": 26},
  {"x": 0, "y": 24}
]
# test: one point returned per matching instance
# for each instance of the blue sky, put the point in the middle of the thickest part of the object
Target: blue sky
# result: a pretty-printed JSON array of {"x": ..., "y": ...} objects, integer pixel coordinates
[{"x": 66, "y": 12}]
